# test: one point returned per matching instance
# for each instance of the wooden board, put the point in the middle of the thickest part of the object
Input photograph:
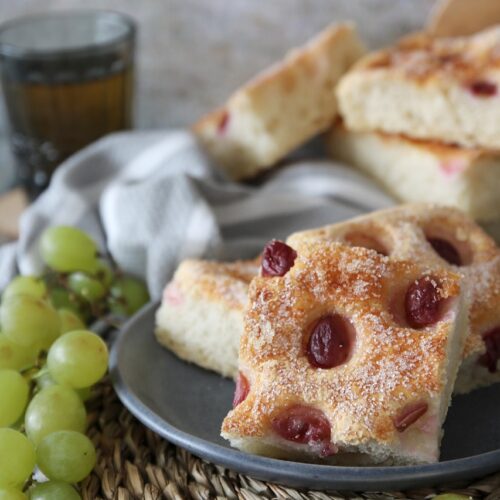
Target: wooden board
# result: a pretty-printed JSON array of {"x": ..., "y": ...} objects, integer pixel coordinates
[
  {"x": 463, "y": 17},
  {"x": 12, "y": 204}
]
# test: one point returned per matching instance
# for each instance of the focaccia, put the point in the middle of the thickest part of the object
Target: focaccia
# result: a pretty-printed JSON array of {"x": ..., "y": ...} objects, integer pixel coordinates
[
  {"x": 440, "y": 89},
  {"x": 282, "y": 107},
  {"x": 348, "y": 356}
]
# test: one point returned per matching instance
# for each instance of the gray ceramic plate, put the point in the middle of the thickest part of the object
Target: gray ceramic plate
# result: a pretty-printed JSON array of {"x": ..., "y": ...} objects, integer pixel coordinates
[{"x": 186, "y": 405}]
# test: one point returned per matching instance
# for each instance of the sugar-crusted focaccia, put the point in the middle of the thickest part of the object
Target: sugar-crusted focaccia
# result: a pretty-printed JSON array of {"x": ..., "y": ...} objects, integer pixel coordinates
[
  {"x": 282, "y": 107},
  {"x": 201, "y": 315},
  {"x": 443, "y": 89},
  {"x": 404, "y": 225},
  {"x": 423, "y": 171},
  {"x": 437, "y": 236},
  {"x": 347, "y": 356}
]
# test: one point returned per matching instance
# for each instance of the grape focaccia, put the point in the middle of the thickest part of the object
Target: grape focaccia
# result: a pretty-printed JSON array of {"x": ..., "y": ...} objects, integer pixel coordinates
[
  {"x": 347, "y": 355},
  {"x": 424, "y": 171},
  {"x": 440, "y": 89},
  {"x": 282, "y": 107},
  {"x": 201, "y": 315}
]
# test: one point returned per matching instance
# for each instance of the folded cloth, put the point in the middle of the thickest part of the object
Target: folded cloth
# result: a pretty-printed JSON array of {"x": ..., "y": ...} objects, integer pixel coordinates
[{"x": 154, "y": 199}]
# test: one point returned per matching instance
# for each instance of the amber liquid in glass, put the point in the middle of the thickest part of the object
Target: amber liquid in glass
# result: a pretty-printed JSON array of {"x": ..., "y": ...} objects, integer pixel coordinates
[{"x": 50, "y": 121}]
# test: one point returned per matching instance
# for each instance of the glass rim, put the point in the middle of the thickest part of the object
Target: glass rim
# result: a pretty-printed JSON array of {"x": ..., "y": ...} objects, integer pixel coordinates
[{"x": 14, "y": 51}]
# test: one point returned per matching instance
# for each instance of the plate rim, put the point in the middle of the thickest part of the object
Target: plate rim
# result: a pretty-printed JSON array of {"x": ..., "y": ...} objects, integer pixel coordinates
[{"x": 260, "y": 467}]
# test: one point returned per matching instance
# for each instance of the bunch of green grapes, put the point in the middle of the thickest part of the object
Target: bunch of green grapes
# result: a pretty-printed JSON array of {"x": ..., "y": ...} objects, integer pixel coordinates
[
  {"x": 49, "y": 362},
  {"x": 81, "y": 282}
]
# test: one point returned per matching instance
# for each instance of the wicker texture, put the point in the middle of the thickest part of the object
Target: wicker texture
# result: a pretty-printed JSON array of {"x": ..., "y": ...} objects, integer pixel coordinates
[{"x": 135, "y": 463}]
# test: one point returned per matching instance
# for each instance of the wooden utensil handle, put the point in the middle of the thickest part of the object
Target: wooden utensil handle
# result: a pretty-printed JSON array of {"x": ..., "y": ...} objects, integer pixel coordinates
[
  {"x": 462, "y": 17},
  {"x": 12, "y": 205}
]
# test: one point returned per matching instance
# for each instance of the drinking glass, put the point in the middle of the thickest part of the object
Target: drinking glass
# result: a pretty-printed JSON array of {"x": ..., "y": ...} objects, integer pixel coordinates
[{"x": 67, "y": 79}]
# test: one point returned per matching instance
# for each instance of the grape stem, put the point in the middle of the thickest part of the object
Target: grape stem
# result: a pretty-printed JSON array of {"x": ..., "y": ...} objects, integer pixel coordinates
[
  {"x": 40, "y": 373},
  {"x": 106, "y": 254}
]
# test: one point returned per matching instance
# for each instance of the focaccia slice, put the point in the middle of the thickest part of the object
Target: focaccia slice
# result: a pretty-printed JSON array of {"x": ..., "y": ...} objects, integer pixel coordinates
[
  {"x": 282, "y": 107},
  {"x": 201, "y": 315},
  {"x": 424, "y": 171},
  {"x": 440, "y": 89},
  {"x": 347, "y": 356}
]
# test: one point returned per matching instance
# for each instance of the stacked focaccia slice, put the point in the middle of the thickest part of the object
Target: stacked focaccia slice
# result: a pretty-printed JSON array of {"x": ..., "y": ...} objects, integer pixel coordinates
[
  {"x": 421, "y": 117},
  {"x": 444, "y": 89},
  {"x": 424, "y": 171}
]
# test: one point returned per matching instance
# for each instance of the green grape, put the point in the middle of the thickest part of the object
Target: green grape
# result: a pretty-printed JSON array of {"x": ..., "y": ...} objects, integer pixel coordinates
[
  {"x": 53, "y": 490},
  {"x": 29, "y": 321},
  {"x": 43, "y": 380},
  {"x": 12, "y": 494},
  {"x": 67, "y": 249},
  {"x": 15, "y": 356},
  {"x": 18, "y": 425},
  {"x": 25, "y": 285},
  {"x": 128, "y": 295},
  {"x": 17, "y": 458},
  {"x": 60, "y": 298},
  {"x": 84, "y": 393},
  {"x": 14, "y": 392},
  {"x": 86, "y": 287},
  {"x": 54, "y": 408},
  {"x": 66, "y": 456},
  {"x": 78, "y": 359},
  {"x": 104, "y": 274},
  {"x": 69, "y": 321},
  {"x": 451, "y": 496}
]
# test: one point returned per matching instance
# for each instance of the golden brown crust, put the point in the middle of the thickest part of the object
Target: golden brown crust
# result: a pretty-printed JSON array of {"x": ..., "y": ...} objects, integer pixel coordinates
[
  {"x": 222, "y": 282},
  {"x": 421, "y": 57},
  {"x": 440, "y": 149},
  {"x": 308, "y": 57},
  {"x": 444, "y": 151},
  {"x": 384, "y": 374}
]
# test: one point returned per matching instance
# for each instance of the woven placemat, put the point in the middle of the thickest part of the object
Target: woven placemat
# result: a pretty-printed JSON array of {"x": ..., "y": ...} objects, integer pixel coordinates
[{"x": 135, "y": 463}]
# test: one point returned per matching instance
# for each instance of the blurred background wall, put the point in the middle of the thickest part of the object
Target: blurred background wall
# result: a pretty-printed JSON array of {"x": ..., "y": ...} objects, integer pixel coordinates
[{"x": 193, "y": 53}]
